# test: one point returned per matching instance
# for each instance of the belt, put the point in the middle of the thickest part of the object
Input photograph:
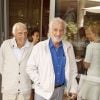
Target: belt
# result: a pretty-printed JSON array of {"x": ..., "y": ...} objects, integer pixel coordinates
[{"x": 59, "y": 85}]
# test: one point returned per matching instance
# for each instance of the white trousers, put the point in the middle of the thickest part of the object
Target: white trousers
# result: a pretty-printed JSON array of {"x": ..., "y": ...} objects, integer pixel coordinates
[{"x": 16, "y": 96}]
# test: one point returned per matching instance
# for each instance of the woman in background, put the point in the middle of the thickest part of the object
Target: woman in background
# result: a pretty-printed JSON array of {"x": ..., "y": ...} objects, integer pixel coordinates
[
  {"x": 35, "y": 34},
  {"x": 90, "y": 89}
]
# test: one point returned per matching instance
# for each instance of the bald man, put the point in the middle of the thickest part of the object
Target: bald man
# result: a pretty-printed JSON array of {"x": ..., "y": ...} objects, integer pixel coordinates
[{"x": 14, "y": 54}]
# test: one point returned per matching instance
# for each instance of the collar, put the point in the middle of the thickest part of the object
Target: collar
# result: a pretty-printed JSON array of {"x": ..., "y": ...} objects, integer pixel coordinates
[
  {"x": 52, "y": 45},
  {"x": 14, "y": 44}
]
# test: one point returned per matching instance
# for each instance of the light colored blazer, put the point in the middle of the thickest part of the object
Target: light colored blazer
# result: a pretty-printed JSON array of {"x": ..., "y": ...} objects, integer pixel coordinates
[
  {"x": 41, "y": 72},
  {"x": 14, "y": 76}
]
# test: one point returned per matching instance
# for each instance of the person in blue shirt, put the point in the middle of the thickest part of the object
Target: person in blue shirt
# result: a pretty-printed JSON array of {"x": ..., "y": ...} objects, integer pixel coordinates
[{"x": 52, "y": 66}]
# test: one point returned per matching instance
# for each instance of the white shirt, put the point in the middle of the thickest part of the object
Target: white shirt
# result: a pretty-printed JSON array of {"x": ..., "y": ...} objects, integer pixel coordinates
[{"x": 19, "y": 51}]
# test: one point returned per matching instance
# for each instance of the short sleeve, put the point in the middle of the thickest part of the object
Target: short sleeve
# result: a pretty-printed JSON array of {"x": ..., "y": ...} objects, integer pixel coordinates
[{"x": 88, "y": 56}]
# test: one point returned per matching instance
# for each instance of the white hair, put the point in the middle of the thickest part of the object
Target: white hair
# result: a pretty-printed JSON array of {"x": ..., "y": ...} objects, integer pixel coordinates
[
  {"x": 18, "y": 25},
  {"x": 57, "y": 20}
]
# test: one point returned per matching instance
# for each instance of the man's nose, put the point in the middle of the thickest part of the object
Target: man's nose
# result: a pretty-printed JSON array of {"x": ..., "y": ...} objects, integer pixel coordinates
[{"x": 59, "y": 32}]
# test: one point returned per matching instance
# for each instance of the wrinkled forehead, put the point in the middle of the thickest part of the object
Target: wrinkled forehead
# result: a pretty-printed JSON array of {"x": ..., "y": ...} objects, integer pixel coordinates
[
  {"x": 57, "y": 25},
  {"x": 21, "y": 28}
]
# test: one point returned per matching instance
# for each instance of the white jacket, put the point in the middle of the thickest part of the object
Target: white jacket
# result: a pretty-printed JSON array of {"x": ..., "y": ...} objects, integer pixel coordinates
[
  {"x": 14, "y": 76},
  {"x": 41, "y": 72}
]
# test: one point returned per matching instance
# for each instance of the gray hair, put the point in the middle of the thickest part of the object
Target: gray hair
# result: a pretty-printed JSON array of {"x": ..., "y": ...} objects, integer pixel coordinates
[
  {"x": 18, "y": 25},
  {"x": 58, "y": 20}
]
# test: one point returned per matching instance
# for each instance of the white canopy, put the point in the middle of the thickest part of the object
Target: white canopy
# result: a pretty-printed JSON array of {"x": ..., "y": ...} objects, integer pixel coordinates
[
  {"x": 94, "y": 0},
  {"x": 93, "y": 9}
]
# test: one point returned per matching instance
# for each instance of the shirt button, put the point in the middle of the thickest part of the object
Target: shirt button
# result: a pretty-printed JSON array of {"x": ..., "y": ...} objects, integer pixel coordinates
[
  {"x": 18, "y": 89},
  {"x": 19, "y": 73},
  {"x": 18, "y": 81}
]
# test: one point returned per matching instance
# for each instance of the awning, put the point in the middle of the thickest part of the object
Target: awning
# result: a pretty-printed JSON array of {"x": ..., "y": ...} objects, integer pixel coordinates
[
  {"x": 95, "y": 9},
  {"x": 94, "y": 0}
]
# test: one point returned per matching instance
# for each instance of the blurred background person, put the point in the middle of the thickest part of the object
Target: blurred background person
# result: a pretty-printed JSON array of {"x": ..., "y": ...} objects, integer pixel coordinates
[
  {"x": 92, "y": 32},
  {"x": 90, "y": 89},
  {"x": 81, "y": 50},
  {"x": 35, "y": 38},
  {"x": 35, "y": 34}
]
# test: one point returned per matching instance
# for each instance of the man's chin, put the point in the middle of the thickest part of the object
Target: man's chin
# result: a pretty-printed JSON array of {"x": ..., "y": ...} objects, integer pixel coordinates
[{"x": 57, "y": 40}]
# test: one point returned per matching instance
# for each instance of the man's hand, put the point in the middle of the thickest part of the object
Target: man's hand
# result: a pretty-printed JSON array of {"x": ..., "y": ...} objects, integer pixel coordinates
[{"x": 72, "y": 96}]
